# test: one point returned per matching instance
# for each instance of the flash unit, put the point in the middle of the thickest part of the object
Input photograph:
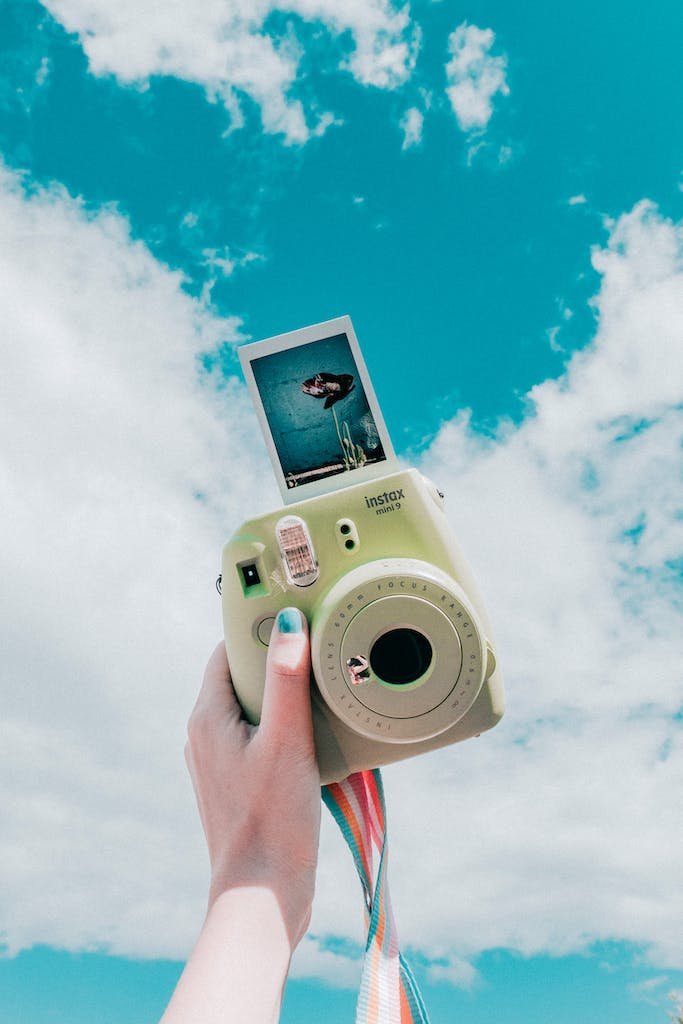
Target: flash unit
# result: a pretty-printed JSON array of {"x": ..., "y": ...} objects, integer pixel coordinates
[{"x": 296, "y": 549}]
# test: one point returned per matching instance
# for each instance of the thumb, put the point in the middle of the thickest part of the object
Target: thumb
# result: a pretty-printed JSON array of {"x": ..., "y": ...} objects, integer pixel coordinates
[{"x": 286, "y": 711}]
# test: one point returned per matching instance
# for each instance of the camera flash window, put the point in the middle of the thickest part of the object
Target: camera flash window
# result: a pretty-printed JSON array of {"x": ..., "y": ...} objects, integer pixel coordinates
[{"x": 296, "y": 549}]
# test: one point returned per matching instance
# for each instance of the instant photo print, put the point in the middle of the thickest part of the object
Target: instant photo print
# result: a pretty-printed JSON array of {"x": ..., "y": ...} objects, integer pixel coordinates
[
  {"x": 317, "y": 409},
  {"x": 402, "y": 650}
]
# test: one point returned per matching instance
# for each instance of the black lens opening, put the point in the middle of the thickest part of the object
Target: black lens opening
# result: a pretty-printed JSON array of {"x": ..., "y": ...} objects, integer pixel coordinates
[{"x": 401, "y": 656}]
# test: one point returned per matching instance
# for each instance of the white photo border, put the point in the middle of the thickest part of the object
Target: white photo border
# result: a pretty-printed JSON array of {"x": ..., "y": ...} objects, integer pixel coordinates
[{"x": 293, "y": 339}]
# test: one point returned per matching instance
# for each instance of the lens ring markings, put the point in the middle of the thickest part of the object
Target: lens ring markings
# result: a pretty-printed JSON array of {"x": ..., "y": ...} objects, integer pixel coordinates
[{"x": 404, "y": 712}]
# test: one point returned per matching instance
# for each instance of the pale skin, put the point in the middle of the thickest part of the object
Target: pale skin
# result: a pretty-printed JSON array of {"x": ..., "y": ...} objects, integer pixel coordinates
[{"x": 258, "y": 794}]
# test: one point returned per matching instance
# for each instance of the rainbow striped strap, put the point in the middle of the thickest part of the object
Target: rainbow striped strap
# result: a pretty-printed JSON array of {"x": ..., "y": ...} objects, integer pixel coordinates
[{"x": 388, "y": 992}]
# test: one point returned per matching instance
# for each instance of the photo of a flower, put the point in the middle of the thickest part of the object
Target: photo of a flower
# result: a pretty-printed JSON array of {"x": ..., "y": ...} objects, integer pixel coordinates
[
  {"x": 317, "y": 410},
  {"x": 330, "y": 386},
  {"x": 333, "y": 387}
]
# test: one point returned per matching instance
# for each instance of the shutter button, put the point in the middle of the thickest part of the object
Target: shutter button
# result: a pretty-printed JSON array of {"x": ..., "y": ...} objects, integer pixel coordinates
[{"x": 264, "y": 629}]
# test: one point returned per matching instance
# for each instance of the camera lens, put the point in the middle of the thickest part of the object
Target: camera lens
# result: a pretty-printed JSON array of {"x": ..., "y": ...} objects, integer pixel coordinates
[{"x": 401, "y": 656}]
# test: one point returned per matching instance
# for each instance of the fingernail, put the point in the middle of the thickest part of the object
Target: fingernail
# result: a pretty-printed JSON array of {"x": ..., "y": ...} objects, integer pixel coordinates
[{"x": 289, "y": 620}]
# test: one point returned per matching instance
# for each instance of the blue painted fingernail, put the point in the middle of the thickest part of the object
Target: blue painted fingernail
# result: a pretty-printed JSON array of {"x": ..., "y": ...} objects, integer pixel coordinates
[{"x": 289, "y": 620}]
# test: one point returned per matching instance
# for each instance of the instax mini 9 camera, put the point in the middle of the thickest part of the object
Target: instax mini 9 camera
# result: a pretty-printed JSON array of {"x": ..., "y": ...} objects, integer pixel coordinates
[{"x": 402, "y": 650}]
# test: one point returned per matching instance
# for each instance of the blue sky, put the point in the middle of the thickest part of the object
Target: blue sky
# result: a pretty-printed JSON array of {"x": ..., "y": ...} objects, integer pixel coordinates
[
  {"x": 492, "y": 192},
  {"x": 45, "y": 985}
]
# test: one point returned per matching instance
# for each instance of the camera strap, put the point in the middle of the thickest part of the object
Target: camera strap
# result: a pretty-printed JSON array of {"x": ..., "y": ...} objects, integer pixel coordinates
[{"x": 388, "y": 992}]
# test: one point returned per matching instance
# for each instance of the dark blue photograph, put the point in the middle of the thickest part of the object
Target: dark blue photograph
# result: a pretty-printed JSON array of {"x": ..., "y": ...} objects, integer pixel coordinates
[{"x": 317, "y": 410}]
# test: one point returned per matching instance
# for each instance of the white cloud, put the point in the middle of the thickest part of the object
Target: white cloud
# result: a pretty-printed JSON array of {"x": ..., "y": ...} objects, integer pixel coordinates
[
  {"x": 577, "y": 200},
  {"x": 552, "y": 334},
  {"x": 313, "y": 960},
  {"x": 119, "y": 478},
  {"x": 555, "y": 830},
  {"x": 43, "y": 71},
  {"x": 474, "y": 76},
  {"x": 224, "y": 46},
  {"x": 411, "y": 126},
  {"x": 649, "y": 990},
  {"x": 455, "y": 972},
  {"x": 325, "y": 121},
  {"x": 219, "y": 261},
  {"x": 222, "y": 262}
]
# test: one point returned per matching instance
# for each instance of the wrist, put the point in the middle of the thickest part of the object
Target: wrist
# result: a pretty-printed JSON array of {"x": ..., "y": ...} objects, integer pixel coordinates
[
  {"x": 239, "y": 965},
  {"x": 277, "y": 904},
  {"x": 252, "y": 916}
]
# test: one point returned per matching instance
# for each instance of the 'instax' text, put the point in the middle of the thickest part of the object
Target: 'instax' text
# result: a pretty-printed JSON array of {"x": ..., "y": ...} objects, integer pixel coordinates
[{"x": 389, "y": 501}]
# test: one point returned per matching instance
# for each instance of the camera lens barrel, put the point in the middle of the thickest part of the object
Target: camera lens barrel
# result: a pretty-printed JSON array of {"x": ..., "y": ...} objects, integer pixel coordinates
[
  {"x": 401, "y": 656},
  {"x": 398, "y": 653}
]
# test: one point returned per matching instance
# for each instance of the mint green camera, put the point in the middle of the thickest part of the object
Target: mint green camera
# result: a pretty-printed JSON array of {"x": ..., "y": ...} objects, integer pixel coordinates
[{"x": 402, "y": 649}]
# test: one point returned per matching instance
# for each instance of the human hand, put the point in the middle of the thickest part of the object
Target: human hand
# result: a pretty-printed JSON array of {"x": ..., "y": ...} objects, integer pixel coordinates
[{"x": 258, "y": 787}]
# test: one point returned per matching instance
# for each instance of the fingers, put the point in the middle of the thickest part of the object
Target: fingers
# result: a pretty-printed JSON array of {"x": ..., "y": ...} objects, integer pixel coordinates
[
  {"x": 286, "y": 712},
  {"x": 216, "y": 696}
]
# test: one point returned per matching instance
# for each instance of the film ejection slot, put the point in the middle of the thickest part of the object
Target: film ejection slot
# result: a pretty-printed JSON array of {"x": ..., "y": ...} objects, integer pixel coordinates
[{"x": 296, "y": 549}]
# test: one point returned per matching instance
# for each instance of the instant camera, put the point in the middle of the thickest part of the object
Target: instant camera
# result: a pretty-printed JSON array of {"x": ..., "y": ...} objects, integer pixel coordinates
[{"x": 403, "y": 654}]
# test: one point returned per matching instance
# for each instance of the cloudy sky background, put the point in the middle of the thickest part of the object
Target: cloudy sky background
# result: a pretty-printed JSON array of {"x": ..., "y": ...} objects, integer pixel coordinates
[{"x": 498, "y": 214}]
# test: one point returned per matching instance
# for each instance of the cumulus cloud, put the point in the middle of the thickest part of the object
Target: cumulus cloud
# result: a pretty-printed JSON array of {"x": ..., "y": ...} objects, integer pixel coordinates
[
  {"x": 313, "y": 959},
  {"x": 119, "y": 480},
  {"x": 232, "y": 49},
  {"x": 474, "y": 75},
  {"x": 124, "y": 466},
  {"x": 556, "y": 830},
  {"x": 455, "y": 972},
  {"x": 411, "y": 126}
]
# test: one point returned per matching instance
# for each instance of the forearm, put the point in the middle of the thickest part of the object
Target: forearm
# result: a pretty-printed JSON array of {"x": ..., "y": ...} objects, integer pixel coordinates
[
  {"x": 238, "y": 967},
  {"x": 258, "y": 794}
]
